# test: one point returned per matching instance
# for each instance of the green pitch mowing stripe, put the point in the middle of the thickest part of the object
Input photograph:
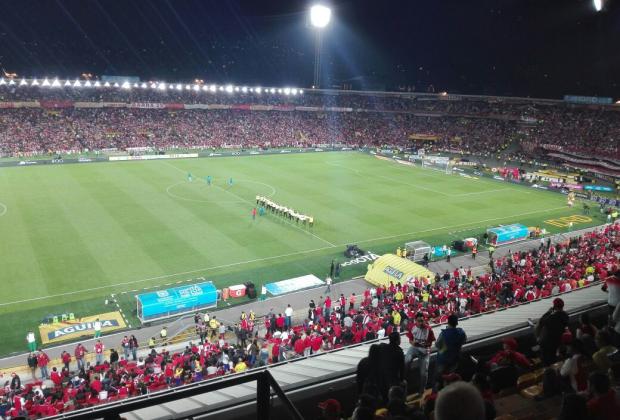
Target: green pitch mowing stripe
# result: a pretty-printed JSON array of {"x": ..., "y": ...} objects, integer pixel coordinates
[{"x": 80, "y": 232}]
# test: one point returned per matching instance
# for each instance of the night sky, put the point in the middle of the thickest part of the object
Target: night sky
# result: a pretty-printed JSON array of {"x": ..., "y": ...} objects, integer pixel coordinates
[{"x": 538, "y": 48}]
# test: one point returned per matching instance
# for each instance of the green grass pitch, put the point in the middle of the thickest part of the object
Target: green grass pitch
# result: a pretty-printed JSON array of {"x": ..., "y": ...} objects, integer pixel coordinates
[{"x": 73, "y": 234}]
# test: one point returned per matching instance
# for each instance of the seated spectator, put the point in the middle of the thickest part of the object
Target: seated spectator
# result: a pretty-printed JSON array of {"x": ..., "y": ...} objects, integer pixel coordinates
[
  {"x": 509, "y": 356},
  {"x": 574, "y": 368},
  {"x": 459, "y": 401},
  {"x": 330, "y": 409},
  {"x": 605, "y": 349},
  {"x": 604, "y": 404}
]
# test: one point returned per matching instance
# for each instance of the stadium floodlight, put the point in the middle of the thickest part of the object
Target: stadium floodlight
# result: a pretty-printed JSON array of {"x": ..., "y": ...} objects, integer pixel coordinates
[
  {"x": 179, "y": 86},
  {"x": 2, "y": 81},
  {"x": 106, "y": 84},
  {"x": 279, "y": 90},
  {"x": 287, "y": 91},
  {"x": 244, "y": 89},
  {"x": 229, "y": 88},
  {"x": 598, "y": 5},
  {"x": 97, "y": 84},
  {"x": 87, "y": 83},
  {"x": 236, "y": 88},
  {"x": 221, "y": 88},
  {"x": 196, "y": 88},
  {"x": 11, "y": 82},
  {"x": 272, "y": 90},
  {"x": 320, "y": 15},
  {"x": 56, "y": 83},
  {"x": 35, "y": 82},
  {"x": 187, "y": 87},
  {"x": 143, "y": 85},
  {"x": 162, "y": 86},
  {"x": 116, "y": 84},
  {"x": 258, "y": 90},
  {"x": 67, "y": 83},
  {"x": 205, "y": 88},
  {"x": 23, "y": 82},
  {"x": 212, "y": 88},
  {"x": 77, "y": 83},
  {"x": 126, "y": 85},
  {"x": 45, "y": 82},
  {"x": 294, "y": 91}
]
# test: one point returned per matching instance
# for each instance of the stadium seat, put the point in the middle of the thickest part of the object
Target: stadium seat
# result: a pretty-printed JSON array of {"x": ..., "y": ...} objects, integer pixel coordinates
[
  {"x": 55, "y": 319},
  {"x": 64, "y": 317},
  {"x": 71, "y": 316}
]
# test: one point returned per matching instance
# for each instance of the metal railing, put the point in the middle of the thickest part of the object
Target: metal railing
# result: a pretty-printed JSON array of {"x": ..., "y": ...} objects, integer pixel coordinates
[{"x": 265, "y": 383}]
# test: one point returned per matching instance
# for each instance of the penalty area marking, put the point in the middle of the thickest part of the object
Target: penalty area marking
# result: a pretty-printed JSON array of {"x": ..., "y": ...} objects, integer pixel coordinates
[
  {"x": 275, "y": 257},
  {"x": 3, "y": 209}
]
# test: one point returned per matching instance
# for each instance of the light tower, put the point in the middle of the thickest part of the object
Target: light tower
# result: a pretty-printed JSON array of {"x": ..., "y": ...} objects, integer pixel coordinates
[{"x": 319, "y": 18}]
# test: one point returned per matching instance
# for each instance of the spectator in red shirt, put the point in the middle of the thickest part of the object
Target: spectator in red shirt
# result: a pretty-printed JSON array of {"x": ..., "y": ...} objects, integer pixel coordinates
[
  {"x": 42, "y": 361},
  {"x": 604, "y": 404},
  {"x": 80, "y": 352},
  {"x": 509, "y": 356}
]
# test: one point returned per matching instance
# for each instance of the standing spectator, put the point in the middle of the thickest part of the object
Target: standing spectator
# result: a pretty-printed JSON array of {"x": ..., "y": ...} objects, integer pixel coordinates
[
  {"x": 352, "y": 300},
  {"x": 392, "y": 366},
  {"x": 99, "y": 348},
  {"x": 549, "y": 331},
  {"x": 328, "y": 282},
  {"x": 32, "y": 364},
  {"x": 42, "y": 361},
  {"x": 421, "y": 338},
  {"x": 163, "y": 335},
  {"x": 32, "y": 341},
  {"x": 97, "y": 328},
  {"x": 449, "y": 344},
  {"x": 288, "y": 313},
  {"x": 133, "y": 346},
  {"x": 125, "y": 345},
  {"x": 66, "y": 359},
  {"x": 114, "y": 358},
  {"x": 80, "y": 352},
  {"x": 16, "y": 382}
]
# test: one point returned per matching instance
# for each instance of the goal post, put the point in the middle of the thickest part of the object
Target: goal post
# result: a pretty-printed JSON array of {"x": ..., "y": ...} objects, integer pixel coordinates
[{"x": 438, "y": 163}]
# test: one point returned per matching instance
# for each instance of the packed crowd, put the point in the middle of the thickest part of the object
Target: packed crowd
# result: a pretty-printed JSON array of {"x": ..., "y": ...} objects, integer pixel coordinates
[
  {"x": 466, "y": 126},
  {"x": 377, "y": 313}
]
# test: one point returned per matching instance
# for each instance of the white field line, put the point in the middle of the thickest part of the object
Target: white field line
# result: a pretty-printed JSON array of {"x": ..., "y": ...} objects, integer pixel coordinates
[
  {"x": 253, "y": 204},
  {"x": 484, "y": 192},
  {"x": 3, "y": 209},
  {"x": 266, "y": 258}
]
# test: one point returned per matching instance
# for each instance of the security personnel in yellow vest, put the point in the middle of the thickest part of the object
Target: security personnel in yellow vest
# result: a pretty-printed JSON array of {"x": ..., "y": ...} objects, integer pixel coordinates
[
  {"x": 163, "y": 334},
  {"x": 252, "y": 315},
  {"x": 213, "y": 326},
  {"x": 152, "y": 343}
]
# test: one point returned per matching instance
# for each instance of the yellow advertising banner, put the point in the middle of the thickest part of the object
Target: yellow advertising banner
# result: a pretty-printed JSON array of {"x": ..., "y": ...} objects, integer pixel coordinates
[{"x": 79, "y": 327}]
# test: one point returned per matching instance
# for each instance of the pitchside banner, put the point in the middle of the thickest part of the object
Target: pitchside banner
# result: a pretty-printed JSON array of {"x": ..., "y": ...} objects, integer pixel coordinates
[{"x": 67, "y": 330}]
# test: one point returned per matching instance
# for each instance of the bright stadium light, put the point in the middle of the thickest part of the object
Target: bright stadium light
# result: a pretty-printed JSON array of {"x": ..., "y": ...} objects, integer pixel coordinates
[
  {"x": 229, "y": 88},
  {"x": 97, "y": 84},
  {"x": 67, "y": 83},
  {"x": 287, "y": 91},
  {"x": 236, "y": 88},
  {"x": 116, "y": 84},
  {"x": 143, "y": 85},
  {"x": 272, "y": 90},
  {"x": 135, "y": 85},
  {"x": 45, "y": 82},
  {"x": 11, "y": 82},
  {"x": 2, "y": 81},
  {"x": 179, "y": 86},
  {"x": 205, "y": 88},
  {"x": 77, "y": 83},
  {"x": 221, "y": 88},
  {"x": 212, "y": 88},
  {"x": 196, "y": 88},
  {"x": 320, "y": 15},
  {"x": 56, "y": 83},
  {"x": 106, "y": 84},
  {"x": 187, "y": 87},
  {"x": 35, "y": 82},
  {"x": 23, "y": 82},
  {"x": 162, "y": 86},
  {"x": 126, "y": 85},
  {"x": 294, "y": 91},
  {"x": 87, "y": 83},
  {"x": 598, "y": 5},
  {"x": 258, "y": 90},
  {"x": 244, "y": 89}
]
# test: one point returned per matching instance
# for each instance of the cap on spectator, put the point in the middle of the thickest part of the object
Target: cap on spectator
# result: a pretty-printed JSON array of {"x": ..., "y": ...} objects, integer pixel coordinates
[
  {"x": 331, "y": 406},
  {"x": 558, "y": 303},
  {"x": 510, "y": 342}
]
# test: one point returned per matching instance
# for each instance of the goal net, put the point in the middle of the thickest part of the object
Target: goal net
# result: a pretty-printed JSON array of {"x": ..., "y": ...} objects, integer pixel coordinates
[{"x": 438, "y": 163}]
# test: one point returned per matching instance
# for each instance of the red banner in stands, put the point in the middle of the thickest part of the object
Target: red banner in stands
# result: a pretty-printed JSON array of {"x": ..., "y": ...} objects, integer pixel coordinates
[
  {"x": 56, "y": 104},
  {"x": 174, "y": 106}
]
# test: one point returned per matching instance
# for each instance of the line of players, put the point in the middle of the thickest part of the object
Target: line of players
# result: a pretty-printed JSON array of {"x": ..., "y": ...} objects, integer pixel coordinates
[{"x": 284, "y": 211}]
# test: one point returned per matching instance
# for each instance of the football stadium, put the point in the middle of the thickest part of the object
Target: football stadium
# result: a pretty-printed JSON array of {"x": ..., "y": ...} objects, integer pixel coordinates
[{"x": 309, "y": 244}]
